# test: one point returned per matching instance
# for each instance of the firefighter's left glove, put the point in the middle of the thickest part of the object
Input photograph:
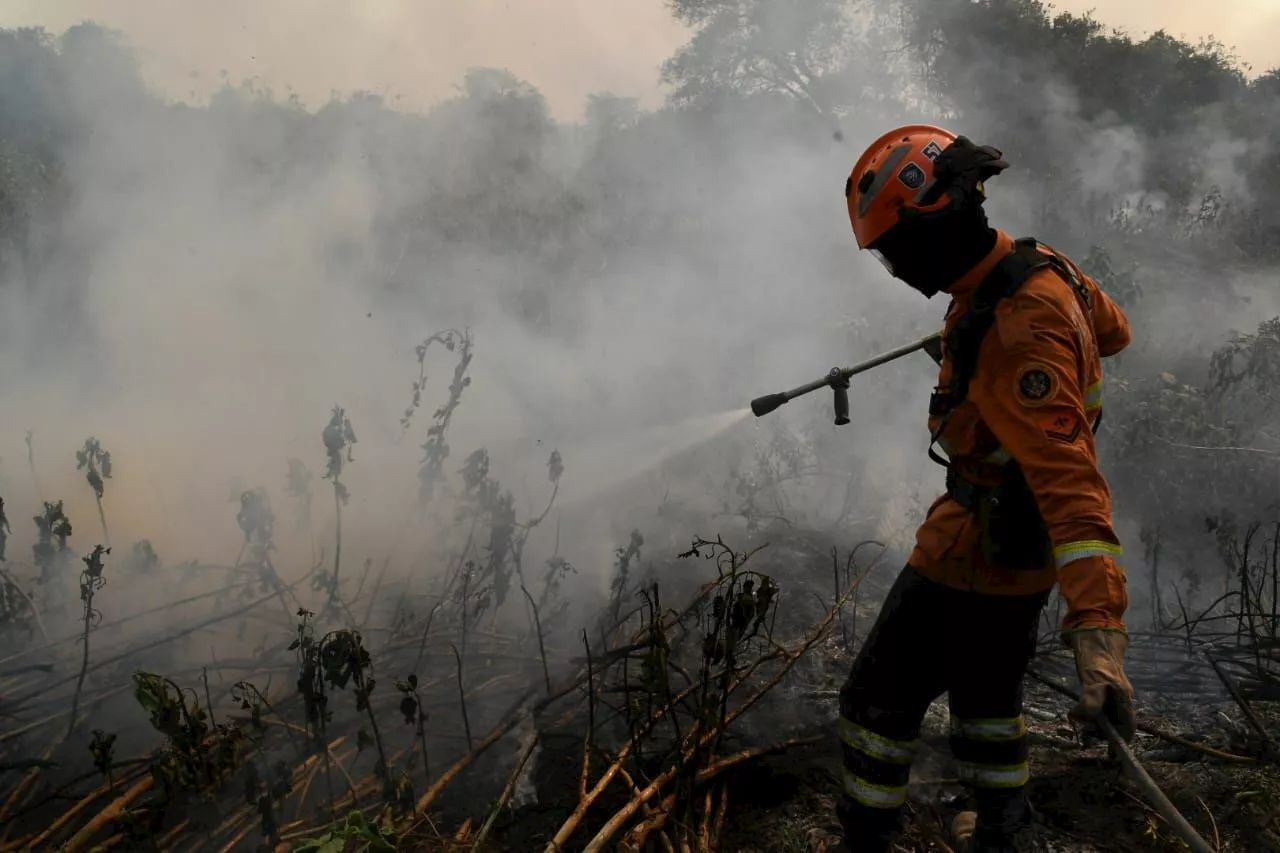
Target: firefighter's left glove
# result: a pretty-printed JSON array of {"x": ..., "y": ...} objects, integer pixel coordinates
[{"x": 1104, "y": 687}]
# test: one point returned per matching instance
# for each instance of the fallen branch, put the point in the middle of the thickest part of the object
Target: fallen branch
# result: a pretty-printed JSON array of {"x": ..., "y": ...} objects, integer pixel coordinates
[
  {"x": 1255, "y": 722},
  {"x": 425, "y": 801},
  {"x": 507, "y": 792},
  {"x": 624, "y": 814},
  {"x": 693, "y": 741},
  {"x": 107, "y": 815}
]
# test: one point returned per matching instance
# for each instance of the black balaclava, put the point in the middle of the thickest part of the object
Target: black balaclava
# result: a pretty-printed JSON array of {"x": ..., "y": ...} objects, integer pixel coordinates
[{"x": 930, "y": 252}]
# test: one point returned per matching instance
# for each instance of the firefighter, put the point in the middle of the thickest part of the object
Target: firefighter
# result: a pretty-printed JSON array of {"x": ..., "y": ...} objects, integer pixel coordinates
[{"x": 1012, "y": 419}]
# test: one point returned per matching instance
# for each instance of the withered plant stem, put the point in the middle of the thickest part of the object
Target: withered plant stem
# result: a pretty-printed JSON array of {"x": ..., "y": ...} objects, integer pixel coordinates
[
  {"x": 537, "y": 624},
  {"x": 588, "y": 740},
  {"x": 518, "y": 713},
  {"x": 102, "y": 517},
  {"x": 462, "y": 696},
  {"x": 693, "y": 739},
  {"x": 208, "y": 700},
  {"x": 88, "y": 587},
  {"x": 1255, "y": 722}
]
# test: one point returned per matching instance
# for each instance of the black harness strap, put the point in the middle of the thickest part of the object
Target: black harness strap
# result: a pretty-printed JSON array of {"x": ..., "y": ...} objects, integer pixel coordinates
[
  {"x": 1012, "y": 526},
  {"x": 964, "y": 340}
]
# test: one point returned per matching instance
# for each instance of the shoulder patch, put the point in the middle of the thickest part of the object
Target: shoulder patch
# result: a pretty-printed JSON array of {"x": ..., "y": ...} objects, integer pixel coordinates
[
  {"x": 1036, "y": 384},
  {"x": 1064, "y": 427}
]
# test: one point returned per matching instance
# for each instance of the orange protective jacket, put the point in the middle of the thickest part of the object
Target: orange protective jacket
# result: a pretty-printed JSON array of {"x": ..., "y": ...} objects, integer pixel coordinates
[{"x": 1035, "y": 396}]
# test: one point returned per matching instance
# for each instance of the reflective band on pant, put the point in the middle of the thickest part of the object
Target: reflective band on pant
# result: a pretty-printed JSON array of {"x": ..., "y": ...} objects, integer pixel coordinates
[
  {"x": 993, "y": 776},
  {"x": 1093, "y": 396},
  {"x": 872, "y": 795},
  {"x": 1072, "y": 551},
  {"x": 877, "y": 747},
  {"x": 993, "y": 730}
]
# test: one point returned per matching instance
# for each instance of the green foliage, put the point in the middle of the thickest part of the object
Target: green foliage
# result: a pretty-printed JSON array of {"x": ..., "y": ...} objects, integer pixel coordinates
[
  {"x": 746, "y": 47},
  {"x": 623, "y": 558},
  {"x": 102, "y": 748},
  {"x": 339, "y": 437},
  {"x": 255, "y": 518},
  {"x": 487, "y": 505},
  {"x": 335, "y": 661},
  {"x": 1120, "y": 284},
  {"x": 96, "y": 463},
  {"x": 52, "y": 530},
  {"x": 1249, "y": 362},
  {"x": 197, "y": 755},
  {"x": 91, "y": 579},
  {"x": 311, "y": 677},
  {"x": 356, "y": 831},
  {"x": 142, "y": 560},
  {"x": 436, "y": 449}
]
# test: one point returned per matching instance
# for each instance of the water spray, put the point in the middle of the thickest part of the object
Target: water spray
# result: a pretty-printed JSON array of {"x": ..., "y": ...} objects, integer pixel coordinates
[{"x": 838, "y": 379}]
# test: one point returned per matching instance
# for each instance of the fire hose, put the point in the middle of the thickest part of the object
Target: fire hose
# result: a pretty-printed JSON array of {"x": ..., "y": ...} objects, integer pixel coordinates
[
  {"x": 1154, "y": 796},
  {"x": 1150, "y": 790}
]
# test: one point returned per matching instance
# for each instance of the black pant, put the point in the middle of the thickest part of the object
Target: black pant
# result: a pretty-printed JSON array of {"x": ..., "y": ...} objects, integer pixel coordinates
[{"x": 930, "y": 639}]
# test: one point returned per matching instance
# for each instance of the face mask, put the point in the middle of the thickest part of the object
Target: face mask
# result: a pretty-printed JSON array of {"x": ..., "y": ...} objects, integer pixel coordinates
[{"x": 930, "y": 253}]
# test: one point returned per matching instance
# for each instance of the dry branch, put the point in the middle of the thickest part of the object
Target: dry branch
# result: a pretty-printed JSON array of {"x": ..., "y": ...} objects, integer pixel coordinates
[{"x": 693, "y": 740}]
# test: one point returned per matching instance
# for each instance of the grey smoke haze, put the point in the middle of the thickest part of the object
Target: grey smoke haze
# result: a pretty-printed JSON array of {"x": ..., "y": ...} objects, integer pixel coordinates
[
  {"x": 220, "y": 311},
  {"x": 241, "y": 270}
]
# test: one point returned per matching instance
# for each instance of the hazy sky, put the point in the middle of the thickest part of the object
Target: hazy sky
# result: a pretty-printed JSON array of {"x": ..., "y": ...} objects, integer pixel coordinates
[{"x": 418, "y": 49}]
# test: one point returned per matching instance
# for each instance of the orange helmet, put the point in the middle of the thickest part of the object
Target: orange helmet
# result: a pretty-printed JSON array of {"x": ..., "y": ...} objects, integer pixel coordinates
[{"x": 894, "y": 176}]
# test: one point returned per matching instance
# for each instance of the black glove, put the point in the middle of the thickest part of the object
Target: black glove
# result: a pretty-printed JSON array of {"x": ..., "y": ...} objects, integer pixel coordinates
[{"x": 961, "y": 168}]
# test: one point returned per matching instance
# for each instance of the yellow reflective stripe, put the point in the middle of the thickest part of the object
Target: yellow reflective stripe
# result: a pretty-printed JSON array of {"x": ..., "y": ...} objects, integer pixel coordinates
[
  {"x": 993, "y": 776},
  {"x": 876, "y": 746},
  {"x": 872, "y": 795},
  {"x": 1069, "y": 552},
  {"x": 991, "y": 730},
  {"x": 1093, "y": 396}
]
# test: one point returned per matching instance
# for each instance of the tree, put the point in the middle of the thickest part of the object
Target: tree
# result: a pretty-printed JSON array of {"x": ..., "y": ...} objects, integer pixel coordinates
[{"x": 808, "y": 50}]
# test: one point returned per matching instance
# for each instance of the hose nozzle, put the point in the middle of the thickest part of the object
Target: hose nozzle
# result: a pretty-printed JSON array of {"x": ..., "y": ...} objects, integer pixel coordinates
[
  {"x": 840, "y": 384},
  {"x": 838, "y": 379},
  {"x": 761, "y": 406}
]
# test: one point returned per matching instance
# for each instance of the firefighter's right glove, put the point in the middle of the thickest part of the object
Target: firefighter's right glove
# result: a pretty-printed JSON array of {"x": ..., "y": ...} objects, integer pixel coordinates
[{"x": 1104, "y": 688}]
